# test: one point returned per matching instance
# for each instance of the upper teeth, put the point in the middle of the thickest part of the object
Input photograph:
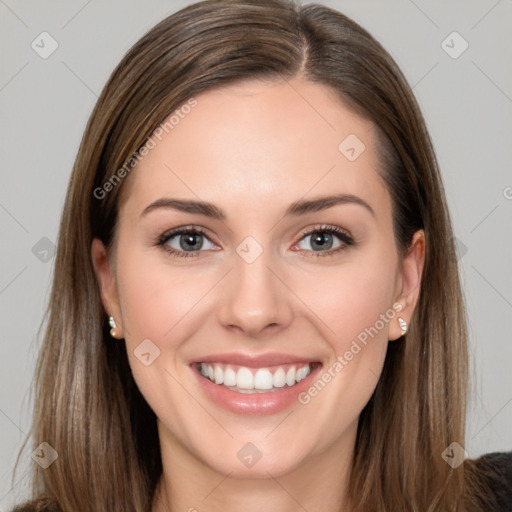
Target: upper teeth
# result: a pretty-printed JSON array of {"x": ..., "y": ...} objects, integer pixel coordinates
[{"x": 242, "y": 377}]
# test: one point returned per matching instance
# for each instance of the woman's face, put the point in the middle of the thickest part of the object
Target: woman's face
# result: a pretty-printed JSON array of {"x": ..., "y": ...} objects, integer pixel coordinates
[{"x": 256, "y": 238}]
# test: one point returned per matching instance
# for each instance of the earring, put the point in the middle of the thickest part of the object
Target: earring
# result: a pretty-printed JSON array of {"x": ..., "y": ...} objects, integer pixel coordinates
[
  {"x": 113, "y": 326},
  {"x": 403, "y": 325}
]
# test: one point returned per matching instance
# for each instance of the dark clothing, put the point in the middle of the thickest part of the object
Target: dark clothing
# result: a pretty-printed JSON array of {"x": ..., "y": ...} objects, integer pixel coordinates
[{"x": 497, "y": 469}]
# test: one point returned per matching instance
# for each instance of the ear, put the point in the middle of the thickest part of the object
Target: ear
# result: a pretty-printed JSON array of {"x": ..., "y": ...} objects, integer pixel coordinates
[
  {"x": 409, "y": 283},
  {"x": 107, "y": 283}
]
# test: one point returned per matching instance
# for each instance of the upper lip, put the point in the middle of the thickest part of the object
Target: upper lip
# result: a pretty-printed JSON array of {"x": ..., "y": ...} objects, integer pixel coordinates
[{"x": 254, "y": 360}]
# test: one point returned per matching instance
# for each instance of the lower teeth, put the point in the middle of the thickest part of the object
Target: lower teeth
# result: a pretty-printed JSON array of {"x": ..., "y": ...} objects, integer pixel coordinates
[{"x": 249, "y": 391}]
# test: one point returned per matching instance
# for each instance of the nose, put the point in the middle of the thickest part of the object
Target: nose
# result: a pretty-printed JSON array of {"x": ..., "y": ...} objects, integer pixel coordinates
[{"x": 255, "y": 299}]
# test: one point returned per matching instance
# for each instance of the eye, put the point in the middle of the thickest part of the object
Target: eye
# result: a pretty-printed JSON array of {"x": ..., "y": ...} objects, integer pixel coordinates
[
  {"x": 324, "y": 239},
  {"x": 185, "y": 242}
]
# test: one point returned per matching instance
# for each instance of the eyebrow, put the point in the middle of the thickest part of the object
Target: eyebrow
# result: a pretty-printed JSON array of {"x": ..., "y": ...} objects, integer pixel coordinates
[
  {"x": 300, "y": 207},
  {"x": 186, "y": 205}
]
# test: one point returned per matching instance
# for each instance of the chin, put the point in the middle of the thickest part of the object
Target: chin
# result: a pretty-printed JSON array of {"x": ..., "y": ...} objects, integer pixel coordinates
[{"x": 255, "y": 460}]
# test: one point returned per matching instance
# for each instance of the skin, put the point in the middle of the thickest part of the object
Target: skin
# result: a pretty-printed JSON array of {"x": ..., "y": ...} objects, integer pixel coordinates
[{"x": 253, "y": 149}]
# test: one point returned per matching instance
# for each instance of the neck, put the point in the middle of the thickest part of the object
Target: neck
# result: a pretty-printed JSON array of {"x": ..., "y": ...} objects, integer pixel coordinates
[{"x": 318, "y": 484}]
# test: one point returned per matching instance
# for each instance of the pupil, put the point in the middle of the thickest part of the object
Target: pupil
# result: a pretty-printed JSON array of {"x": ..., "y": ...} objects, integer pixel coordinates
[
  {"x": 190, "y": 241},
  {"x": 322, "y": 241}
]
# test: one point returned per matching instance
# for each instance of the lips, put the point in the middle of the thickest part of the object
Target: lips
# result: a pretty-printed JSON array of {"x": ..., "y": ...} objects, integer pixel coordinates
[
  {"x": 254, "y": 384},
  {"x": 253, "y": 360}
]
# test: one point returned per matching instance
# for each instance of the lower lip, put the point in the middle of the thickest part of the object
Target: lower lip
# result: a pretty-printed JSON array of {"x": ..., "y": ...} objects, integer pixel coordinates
[{"x": 255, "y": 403}]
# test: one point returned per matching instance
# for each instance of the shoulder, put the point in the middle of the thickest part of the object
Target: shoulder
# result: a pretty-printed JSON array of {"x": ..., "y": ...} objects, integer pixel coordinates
[
  {"x": 498, "y": 464},
  {"x": 38, "y": 505},
  {"x": 496, "y": 470}
]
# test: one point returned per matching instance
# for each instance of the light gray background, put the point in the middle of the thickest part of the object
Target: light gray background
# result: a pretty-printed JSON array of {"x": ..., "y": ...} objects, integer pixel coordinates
[{"x": 45, "y": 103}]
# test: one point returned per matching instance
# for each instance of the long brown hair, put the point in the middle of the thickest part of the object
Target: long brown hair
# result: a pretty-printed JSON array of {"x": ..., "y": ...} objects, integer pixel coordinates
[{"x": 88, "y": 407}]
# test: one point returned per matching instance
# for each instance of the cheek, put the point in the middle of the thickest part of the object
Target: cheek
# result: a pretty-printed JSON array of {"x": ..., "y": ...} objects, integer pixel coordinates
[
  {"x": 349, "y": 299},
  {"x": 158, "y": 304},
  {"x": 156, "y": 298},
  {"x": 354, "y": 308},
  {"x": 359, "y": 306}
]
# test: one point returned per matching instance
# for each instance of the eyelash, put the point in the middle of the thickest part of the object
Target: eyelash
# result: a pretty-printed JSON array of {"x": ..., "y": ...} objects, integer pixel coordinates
[{"x": 342, "y": 235}]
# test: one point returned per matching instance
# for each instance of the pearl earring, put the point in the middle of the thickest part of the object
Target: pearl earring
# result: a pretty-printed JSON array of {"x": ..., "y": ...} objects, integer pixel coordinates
[
  {"x": 113, "y": 326},
  {"x": 403, "y": 325}
]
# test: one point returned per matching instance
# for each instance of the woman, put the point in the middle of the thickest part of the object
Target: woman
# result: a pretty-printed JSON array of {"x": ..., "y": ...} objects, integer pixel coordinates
[{"x": 256, "y": 299}]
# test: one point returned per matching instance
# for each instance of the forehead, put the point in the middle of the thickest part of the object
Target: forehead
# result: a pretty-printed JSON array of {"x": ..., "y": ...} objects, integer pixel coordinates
[{"x": 258, "y": 143}]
